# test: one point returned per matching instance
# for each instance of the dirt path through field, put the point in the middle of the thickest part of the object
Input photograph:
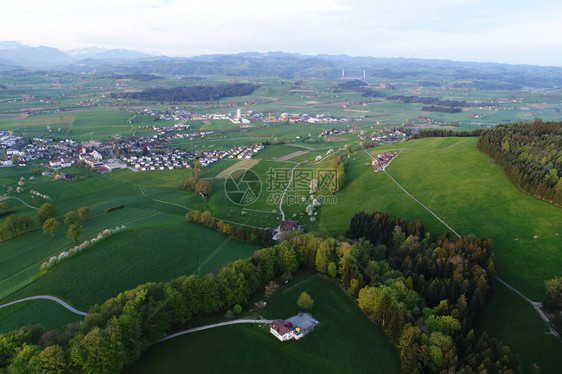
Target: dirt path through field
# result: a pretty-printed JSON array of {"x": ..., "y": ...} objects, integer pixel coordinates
[
  {"x": 291, "y": 155},
  {"x": 534, "y": 304}
]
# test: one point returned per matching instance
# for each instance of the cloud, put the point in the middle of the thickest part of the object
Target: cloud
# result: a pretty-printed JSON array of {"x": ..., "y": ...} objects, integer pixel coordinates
[{"x": 456, "y": 29}]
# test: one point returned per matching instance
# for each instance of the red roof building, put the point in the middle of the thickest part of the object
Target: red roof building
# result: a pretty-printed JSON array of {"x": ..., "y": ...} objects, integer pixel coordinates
[{"x": 283, "y": 330}]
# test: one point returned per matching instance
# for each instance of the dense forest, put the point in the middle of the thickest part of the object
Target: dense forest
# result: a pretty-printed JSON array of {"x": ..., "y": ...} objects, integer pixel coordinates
[
  {"x": 424, "y": 293},
  {"x": 442, "y": 109},
  {"x": 360, "y": 86},
  {"x": 191, "y": 93},
  {"x": 439, "y": 133},
  {"x": 530, "y": 154},
  {"x": 430, "y": 101}
]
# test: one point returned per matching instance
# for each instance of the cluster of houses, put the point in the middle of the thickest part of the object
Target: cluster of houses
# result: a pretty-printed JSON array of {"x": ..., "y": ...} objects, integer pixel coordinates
[
  {"x": 21, "y": 151},
  {"x": 239, "y": 117},
  {"x": 173, "y": 159},
  {"x": 382, "y": 160},
  {"x": 177, "y": 131},
  {"x": 334, "y": 132},
  {"x": 389, "y": 136},
  {"x": 240, "y": 153},
  {"x": 295, "y": 327}
]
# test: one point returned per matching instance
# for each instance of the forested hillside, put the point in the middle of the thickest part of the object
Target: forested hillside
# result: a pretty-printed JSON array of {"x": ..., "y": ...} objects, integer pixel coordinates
[
  {"x": 530, "y": 154},
  {"x": 193, "y": 93}
]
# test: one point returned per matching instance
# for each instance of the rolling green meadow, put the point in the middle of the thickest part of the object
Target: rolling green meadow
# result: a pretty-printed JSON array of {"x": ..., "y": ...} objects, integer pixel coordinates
[
  {"x": 343, "y": 332},
  {"x": 474, "y": 196}
]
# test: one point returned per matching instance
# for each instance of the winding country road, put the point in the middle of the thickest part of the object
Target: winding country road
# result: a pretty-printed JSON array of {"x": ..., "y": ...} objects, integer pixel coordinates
[
  {"x": 46, "y": 297},
  {"x": 534, "y": 304},
  {"x": 235, "y": 322},
  {"x": 20, "y": 200}
]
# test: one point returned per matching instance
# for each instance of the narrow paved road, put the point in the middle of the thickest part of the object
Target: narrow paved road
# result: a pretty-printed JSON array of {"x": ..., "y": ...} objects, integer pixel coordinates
[
  {"x": 235, "y": 322},
  {"x": 291, "y": 180},
  {"x": 534, "y": 304},
  {"x": 419, "y": 202},
  {"x": 20, "y": 200},
  {"x": 285, "y": 192},
  {"x": 46, "y": 297}
]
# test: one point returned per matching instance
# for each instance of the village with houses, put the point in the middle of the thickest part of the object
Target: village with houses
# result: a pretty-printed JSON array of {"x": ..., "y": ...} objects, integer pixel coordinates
[
  {"x": 241, "y": 118},
  {"x": 156, "y": 152}
]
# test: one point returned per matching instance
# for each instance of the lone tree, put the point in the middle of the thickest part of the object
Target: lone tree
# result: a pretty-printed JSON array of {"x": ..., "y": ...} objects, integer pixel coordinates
[
  {"x": 3, "y": 205},
  {"x": 74, "y": 232},
  {"x": 83, "y": 213},
  {"x": 71, "y": 218},
  {"x": 51, "y": 225},
  {"x": 305, "y": 301},
  {"x": 45, "y": 212}
]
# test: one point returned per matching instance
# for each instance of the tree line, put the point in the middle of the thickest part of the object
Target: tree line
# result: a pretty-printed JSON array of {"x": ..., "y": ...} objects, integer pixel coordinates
[
  {"x": 424, "y": 293},
  {"x": 191, "y": 93},
  {"x": 440, "y": 133},
  {"x": 531, "y": 155},
  {"x": 337, "y": 164},
  {"x": 206, "y": 219},
  {"x": 429, "y": 101}
]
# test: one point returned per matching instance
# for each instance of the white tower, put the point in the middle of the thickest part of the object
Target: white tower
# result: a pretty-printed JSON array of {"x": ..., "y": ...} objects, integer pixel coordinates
[{"x": 238, "y": 113}]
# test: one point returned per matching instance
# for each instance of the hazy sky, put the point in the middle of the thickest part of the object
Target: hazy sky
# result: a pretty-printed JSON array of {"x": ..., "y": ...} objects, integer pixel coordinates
[{"x": 509, "y": 31}]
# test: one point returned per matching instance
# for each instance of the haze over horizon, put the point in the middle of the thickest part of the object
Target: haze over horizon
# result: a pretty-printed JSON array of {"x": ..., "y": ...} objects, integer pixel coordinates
[{"x": 461, "y": 30}]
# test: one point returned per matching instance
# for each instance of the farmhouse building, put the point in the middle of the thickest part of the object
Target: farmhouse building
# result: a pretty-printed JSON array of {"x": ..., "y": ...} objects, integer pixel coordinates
[
  {"x": 295, "y": 327},
  {"x": 289, "y": 225}
]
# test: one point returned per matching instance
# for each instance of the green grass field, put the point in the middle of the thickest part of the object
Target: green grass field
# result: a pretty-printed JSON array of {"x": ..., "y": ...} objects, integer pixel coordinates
[
  {"x": 158, "y": 244},
  {"x": 160, "y": 249},
  {"x": 509, "y": 318},
  {"x": 345, "y": 341},
  {"x": 475, "y": 197},
  {"x": 45, "y": 313}
]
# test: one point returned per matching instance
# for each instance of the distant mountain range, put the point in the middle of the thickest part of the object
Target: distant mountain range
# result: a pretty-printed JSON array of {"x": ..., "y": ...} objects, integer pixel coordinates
[
  {"x": 95, "y": 60},
  {"x": 17, "y": 54}
]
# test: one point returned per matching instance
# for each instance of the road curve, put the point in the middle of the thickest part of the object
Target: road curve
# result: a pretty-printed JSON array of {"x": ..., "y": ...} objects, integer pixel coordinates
[
  {"x": 235, "y": 322},
  {"x": 46, "y": 297},
  {"x": 21, "y": 201}
]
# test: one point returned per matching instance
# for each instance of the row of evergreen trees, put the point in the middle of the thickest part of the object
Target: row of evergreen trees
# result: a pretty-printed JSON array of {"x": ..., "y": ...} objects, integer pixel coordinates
[
  {"x": 439, "y": 133},
  {"x": 531, "y": 155}
]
